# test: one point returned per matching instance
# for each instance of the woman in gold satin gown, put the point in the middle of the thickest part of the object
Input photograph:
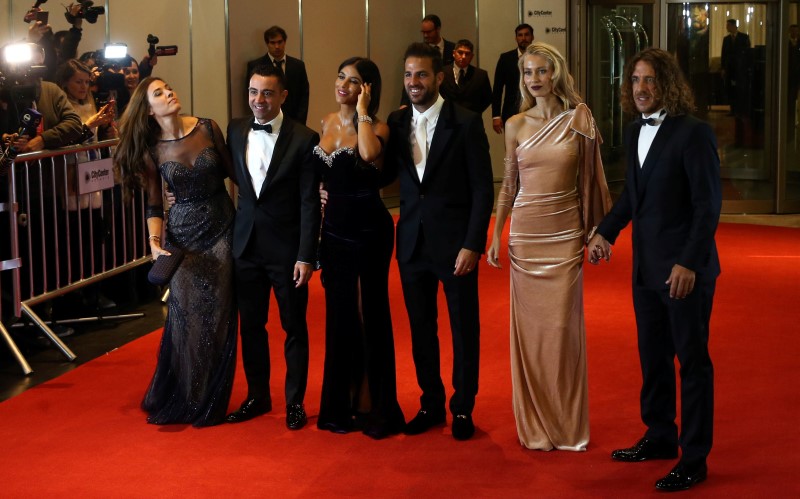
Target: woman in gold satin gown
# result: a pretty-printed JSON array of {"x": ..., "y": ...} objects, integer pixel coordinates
[{"x": 555, "y": 185}]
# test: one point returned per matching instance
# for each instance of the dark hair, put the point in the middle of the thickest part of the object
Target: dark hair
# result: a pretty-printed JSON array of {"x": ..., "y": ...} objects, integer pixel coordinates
[
  {"x": 465, "y": 43},
  {"x": 732, "y": 21},
  {"x": 423, "y": 50},
  {"x": 274, "y": 31},
  {"x": 671, "y": 86},
  {"x": 523, "y": 26},
  {"x": 437, "y": 23},
  {"x": 67, "y": 71},
  {"x": 369, "y": 73},
  {"x": 268, "y": 70},
  {"x": 138, "y": 131}
]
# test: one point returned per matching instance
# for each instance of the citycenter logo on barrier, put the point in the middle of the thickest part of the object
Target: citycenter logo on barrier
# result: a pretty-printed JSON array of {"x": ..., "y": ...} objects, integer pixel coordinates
[
  {"x": 540, "y": 13},
  {"x": 95, "y": 176}
]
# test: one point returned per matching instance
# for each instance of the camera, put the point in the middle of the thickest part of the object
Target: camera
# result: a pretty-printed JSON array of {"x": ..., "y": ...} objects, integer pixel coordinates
[
  {"x": 88, "y": 11},
  {"x": 34, "y": 14},
  {"x": 161, "y": 50}
]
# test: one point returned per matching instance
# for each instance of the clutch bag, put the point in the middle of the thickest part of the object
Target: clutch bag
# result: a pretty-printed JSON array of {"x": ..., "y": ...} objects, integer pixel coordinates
[{"x": 164, "y": 267}]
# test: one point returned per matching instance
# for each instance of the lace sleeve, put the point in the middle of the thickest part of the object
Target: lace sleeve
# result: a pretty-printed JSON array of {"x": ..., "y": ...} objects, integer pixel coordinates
[{"x": 510, "y": 187}]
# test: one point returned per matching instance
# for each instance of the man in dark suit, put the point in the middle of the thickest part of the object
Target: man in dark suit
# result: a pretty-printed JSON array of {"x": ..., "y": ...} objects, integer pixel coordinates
[
  {"x": 431, "y": 30},
  {"x": 464, "y": 83},
  {"x": 673, "y": 197},
  {"x": 296, "y": 103},
  {"x": 506, "y": 79},
  {"x": 274, "y": 240},
  {"x": 440, "y": 153},
  {"x": 736, "y": 66}
]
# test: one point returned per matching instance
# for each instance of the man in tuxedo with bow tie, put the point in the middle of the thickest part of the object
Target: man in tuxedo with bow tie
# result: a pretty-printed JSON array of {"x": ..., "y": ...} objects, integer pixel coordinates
[
  {"x": 296, "y": 104},
  {"x": 673, "y": 197},
  {"x": 274, "y": 240},
  {"x": 440, "y": 153}
]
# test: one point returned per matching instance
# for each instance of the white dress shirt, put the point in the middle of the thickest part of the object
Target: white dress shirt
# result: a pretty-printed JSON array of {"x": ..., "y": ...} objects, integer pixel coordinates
[
  {"x": 260, "y": 146},
  {"x": 432, "y": 115},
  {"x": 648, "y": 133}
]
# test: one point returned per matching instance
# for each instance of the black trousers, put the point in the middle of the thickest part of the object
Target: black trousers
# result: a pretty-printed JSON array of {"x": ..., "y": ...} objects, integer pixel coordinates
[
  {"x": 254, "y": 280},
  {"x": 668, "y": 328},
  {"x": 420, "y": 278}
]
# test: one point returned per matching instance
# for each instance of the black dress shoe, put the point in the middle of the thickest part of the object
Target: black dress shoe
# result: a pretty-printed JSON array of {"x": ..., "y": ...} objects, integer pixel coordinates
[
  {"x": 295, "y": 416},
  {"x": 683, "y": 477},
  {"x": 249, "y": 409},
  {"x": 423, "y": 422},
  {"x": 463, "y": 427},
  {"x": 645, "y": 449}
]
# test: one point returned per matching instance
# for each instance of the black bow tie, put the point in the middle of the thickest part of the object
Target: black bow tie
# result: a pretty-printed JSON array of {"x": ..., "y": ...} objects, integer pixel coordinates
[
  {"x": 651, "y": 121},
  {"x": 258, "y": 126}
]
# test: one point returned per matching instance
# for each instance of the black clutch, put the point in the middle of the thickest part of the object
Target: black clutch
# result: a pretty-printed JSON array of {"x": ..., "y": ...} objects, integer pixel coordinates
[{"x": 165, "y": 267}]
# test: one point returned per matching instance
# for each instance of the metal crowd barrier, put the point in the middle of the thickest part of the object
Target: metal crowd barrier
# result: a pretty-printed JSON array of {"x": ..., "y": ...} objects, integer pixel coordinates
[{"x": 64, "y": 224}]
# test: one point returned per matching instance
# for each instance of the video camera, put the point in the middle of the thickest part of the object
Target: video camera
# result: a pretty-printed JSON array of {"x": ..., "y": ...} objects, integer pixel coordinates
[
  {"x": 108, "y": 62},
  {"x": 36, "y": 14},
  {"x": 20, "y": 70},
  {"x": 161, "y": 50},
  {"x": 88, "y": 11}
]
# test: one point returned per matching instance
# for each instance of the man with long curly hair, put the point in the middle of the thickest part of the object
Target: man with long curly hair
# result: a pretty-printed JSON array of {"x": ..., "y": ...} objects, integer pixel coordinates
[{"x": 672, "y": 196}]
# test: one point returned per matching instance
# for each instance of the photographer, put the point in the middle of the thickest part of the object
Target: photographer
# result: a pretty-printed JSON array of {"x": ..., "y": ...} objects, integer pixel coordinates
[{"x": 61, "y": 46}]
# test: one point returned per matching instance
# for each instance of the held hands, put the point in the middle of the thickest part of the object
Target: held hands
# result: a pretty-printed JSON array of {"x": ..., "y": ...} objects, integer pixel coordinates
[
  {"x": 681, "y": 282},
  {"x": 599, "y": 248},
  {"x": 364, "y": 99},
  {"x": 466, "y": 261}
]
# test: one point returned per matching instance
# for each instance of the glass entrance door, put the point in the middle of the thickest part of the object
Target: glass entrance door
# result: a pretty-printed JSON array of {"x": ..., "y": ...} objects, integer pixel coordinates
[{"x": 726, "y": 55}]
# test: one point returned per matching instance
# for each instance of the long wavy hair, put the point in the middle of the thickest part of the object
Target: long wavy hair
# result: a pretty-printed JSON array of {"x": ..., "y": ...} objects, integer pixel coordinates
[
  {"x": 138, "y": 132},
  {"x": 671, "y": 87},
  {"x": 369, "y": 73},
  {"x": 563, "y": 83}
]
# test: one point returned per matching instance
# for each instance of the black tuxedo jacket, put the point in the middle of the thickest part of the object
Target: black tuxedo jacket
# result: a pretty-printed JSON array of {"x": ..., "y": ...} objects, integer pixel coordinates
[
  {"x": 286, "y": 212},
  {"x": 674, "y": 201},
  {"x": 474, "y": 92},
  {"x": 506, "y": 79},
  {"x": 452, "y": 204},
  {"x": 296, "y": 104}
]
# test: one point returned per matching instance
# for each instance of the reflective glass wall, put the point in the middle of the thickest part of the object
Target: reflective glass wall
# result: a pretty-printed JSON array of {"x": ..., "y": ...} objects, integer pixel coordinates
[
  {"x": 742, "y": 60},
  {"x": 617, "y": 32}
]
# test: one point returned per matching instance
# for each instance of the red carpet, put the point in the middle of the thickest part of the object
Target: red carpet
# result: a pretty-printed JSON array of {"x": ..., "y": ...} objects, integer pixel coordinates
[{"x": 83, "y": 435}]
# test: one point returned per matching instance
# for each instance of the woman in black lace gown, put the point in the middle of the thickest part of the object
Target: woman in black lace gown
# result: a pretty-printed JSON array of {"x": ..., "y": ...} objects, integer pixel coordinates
[
  {"x": 196, "y": 360},
  {"x": 359, "y": 389}
]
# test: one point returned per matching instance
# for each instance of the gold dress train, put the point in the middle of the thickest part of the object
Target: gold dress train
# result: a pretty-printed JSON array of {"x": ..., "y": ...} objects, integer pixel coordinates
[{"x": 561, "y": 195}]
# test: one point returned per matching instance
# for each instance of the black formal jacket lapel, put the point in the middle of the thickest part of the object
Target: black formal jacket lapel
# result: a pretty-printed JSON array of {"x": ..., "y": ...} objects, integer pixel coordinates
[
  {"x": 656, "y": 148},
  {"x": 284, "y": 137},
  {"x": 441, "y": 138},
  {"x": 241, "y": 159}
]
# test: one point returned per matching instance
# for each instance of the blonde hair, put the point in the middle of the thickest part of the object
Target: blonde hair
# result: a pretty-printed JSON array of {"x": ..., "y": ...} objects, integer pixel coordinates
[{"x": 563, "y": 83}]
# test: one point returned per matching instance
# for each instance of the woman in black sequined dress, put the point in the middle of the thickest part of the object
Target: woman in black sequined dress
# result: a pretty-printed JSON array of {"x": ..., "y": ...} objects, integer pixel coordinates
[
  {"x": 359, "y": 389},
  {"x": 196, "y": 360}
]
